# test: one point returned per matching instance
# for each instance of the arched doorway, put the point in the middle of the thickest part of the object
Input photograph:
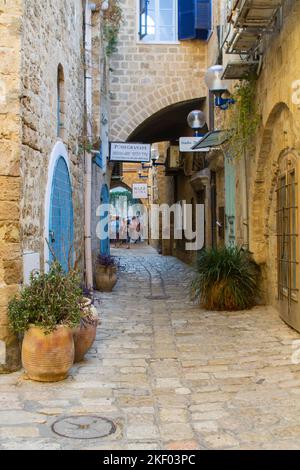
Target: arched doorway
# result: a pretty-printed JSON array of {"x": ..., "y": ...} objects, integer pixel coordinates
[
  {"x": 104, "y": 239},
  {"x": 288, "y": 238},
  {"x": 61, "y": 219}
]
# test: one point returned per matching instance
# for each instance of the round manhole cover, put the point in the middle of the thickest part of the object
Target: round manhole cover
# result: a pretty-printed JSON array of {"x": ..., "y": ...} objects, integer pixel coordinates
[{"x": 84, "y": 427}]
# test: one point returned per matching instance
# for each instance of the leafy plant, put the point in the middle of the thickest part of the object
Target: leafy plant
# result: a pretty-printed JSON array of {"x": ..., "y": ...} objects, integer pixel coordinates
[
  {"x": 243, "y": 118},
  {"x": 50, "y": 300},
  {"x": 113, "y": 18},
  {"x": 227, "y": 279},
  {"x": 106, "y": 260}
]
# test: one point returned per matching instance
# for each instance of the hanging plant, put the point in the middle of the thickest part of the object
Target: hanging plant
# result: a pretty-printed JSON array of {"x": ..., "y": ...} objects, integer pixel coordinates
[
  {"x": 112, "y": 20},
  {"x": 242, "y": 119}
]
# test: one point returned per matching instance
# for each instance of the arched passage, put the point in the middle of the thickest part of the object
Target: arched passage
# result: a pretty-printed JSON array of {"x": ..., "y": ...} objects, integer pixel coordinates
[{"x": 151, "y": 103}]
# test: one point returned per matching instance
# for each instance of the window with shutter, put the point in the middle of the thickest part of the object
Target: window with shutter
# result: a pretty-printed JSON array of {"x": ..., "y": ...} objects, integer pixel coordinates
[
  {"x": 143, "y": 13},
  {"x": 157, "y": 20},
  {"x": 194, "y": 19}
]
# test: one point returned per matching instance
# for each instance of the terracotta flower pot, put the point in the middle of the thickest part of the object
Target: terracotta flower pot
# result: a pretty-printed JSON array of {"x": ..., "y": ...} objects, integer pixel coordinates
[
  {"x": 48, "y": 358},
  {"x": 84, "y": 337},
  {"x": 106, "y": 278}
]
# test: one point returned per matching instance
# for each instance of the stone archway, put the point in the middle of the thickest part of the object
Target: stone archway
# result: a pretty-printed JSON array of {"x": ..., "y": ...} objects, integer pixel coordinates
[
  {"x": 151, "y": 103},
  {"x": 277, "y": 138}
]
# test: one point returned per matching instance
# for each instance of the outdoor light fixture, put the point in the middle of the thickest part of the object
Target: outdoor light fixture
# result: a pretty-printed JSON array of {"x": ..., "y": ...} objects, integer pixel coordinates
[
  {"x": 155, "y": 157},
  {"x": 154, "y": 160},
  {"x": 196, "y": 120},
  {"x": 218, "y": 86}
]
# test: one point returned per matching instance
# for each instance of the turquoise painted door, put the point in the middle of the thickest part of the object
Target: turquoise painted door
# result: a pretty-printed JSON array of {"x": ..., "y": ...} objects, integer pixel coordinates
[
  {"x": 61, "y": 223},
  {"x": 230, "y": 194},
  {"x": 104, "y": 236}
]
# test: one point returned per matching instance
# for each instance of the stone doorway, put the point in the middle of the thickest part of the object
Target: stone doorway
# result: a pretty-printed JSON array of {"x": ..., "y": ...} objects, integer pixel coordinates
[{"x": 288, "y": 239}]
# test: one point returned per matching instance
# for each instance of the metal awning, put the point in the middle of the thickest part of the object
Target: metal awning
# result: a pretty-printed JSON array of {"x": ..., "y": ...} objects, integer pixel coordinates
[{"x": 212, "y": 139}]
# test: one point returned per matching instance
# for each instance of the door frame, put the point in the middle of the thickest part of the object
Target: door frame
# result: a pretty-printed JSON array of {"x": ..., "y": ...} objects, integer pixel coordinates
[
  {"x": 230, "y": 201},
  {"x": 59, "y": 151}
]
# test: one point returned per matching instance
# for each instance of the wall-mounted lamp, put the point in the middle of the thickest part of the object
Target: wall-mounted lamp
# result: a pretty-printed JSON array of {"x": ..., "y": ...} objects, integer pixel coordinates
[
  {"x": 155, "y": 157},
  {"x": 154, "y": 160},
  {"x": 196, "y": 120},
  {"x": 218, "y": 86}
]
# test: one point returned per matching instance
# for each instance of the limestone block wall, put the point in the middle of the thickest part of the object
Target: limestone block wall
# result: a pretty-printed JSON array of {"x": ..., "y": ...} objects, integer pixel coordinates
[
  {"x": 10, "y": 181},
  {"x": 51, "y": 35},
  {"x": 279, "y": 132},
  {"x": 148, "y": 77}
]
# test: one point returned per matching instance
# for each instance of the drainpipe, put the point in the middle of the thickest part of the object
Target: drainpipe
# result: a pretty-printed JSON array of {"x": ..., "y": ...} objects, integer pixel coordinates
[
  {"x": 88, "y": 156},
  {"x": 87, "y": 221}
]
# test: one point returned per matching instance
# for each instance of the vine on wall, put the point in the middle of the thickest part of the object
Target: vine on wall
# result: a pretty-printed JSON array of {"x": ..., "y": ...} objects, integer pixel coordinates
[
  {"x": 112, "y": 20},
  {"x": 242, "y": 119}
]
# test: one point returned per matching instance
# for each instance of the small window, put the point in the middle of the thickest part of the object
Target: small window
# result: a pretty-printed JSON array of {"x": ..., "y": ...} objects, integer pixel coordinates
[
  {"x": 60, "y": 101},
  {"x": 158, "y": 20}
]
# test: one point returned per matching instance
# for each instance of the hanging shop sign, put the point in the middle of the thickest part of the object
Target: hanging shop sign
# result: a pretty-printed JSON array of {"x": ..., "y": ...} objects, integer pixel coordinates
[
  {"x": 140, "y": 191},
  {"x": 186, "y": 144},
  {"x": 130, "y": 152}
]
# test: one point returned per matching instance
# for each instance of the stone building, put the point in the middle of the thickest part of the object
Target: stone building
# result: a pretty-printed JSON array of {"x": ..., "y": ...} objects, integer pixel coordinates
[
  {"x": 157, "y": 78},
  {"x": 54, "y": 120},
  {"x": 262, "y": 186},
  {"x": 250, "y": 201}
]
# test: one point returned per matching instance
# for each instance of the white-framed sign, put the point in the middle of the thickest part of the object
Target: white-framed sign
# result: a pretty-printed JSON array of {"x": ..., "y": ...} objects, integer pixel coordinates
[
  {"x": 186, "y": 144},
  {"x": 140, "y": 191},
  {"x": 130, "y": 152}
]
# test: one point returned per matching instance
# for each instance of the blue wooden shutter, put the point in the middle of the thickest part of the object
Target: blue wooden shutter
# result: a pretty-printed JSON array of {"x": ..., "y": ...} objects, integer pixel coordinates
[
  {"x": 186, "y": 19},
  {"x": 98, "y": 158},
  {"x": 194, "y": 19},
  {"x": 143, "y": 11},
  {"x": 203, "y": 18}
]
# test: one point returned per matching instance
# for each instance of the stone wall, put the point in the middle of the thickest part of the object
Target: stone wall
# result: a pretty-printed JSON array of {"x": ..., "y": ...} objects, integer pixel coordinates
[
  {"x": 100, "y": 121},
  {"x": 52, "y": 35},
  {"x": 146, "y": 78},
  {"x": 10, "y": 181},
  {"x": 279, "y": 133}
]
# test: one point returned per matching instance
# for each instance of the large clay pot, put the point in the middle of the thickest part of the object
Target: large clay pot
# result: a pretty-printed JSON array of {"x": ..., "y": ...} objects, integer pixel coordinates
[
  {"x": 48, "y": 357},
  {"x": 106, "y": 278},
  {"x": 84, "y": 337}
]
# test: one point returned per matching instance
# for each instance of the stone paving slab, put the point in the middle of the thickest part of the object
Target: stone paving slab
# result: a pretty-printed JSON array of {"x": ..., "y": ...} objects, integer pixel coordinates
[{"x": 168, "y": 374}]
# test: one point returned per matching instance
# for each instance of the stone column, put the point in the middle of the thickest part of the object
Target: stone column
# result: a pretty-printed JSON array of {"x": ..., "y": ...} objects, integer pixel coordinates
[{"x": 10, "y": 150}]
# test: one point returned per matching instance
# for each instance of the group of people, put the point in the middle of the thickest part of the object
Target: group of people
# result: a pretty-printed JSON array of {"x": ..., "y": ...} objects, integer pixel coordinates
[{"x": 125, "y": 231}]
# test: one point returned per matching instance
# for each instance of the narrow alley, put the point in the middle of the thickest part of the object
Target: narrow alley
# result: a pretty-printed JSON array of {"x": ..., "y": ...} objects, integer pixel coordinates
[{"x": 164, "y": 374}]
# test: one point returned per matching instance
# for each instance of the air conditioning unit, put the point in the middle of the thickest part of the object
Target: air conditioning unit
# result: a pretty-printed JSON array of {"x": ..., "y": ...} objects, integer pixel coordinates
[
  {"x": 239, "y": 66},
  {"x": 255, "y": 13}
]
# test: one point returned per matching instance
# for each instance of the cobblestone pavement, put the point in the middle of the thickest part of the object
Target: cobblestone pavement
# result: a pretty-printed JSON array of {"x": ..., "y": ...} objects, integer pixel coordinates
[{"x": 169, "y": 375}]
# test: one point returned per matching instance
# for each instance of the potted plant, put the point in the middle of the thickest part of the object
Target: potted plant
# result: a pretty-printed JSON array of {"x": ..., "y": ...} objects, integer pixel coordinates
[
  {"x": 105, "y": 273},
  {"x": 85, "y": 333},
  {"x": 226, "y": 279},
  {"x": 46, "y": 312}
]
